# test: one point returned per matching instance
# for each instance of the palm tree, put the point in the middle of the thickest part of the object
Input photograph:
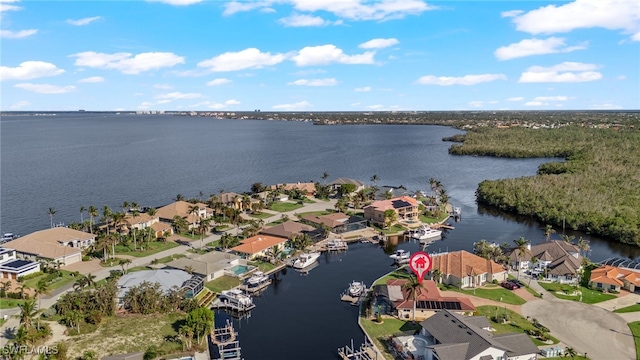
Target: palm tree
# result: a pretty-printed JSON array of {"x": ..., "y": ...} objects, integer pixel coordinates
[
  {"x": 6, "y": 286},
  {"x": 375, "y": 178},
  {"x": 570, "y": 352},
  {"x": 82, "y": 210},
  {"x": 436, "y": 274},
  {"x": 179, "y": 197},
  {"x": 521, "y": 246},
  {"x": 548, "y": 230},
  {"x": 325, "y": 175},
  {"x": 193, "y": 210},
  {"x": 73, "y": 318},
  {"x": 189, "y": 269},
  {"x": 42, "y": 288},
  {"x": 276, "y": 253},
  {"x": 203, "y": 228},
  {"x": 390, "y": 216},
  {"x": 342, "y": 204},
  {"x": 583, "y": 245},
  {"x": 51, "y": 212},
  {"x": 567, "y": 238},
  {"x": 90, "y": 279},
  {"x": 93, "y": 212},
  {"x": 28, "y": 310},
  {"x": 534, "y": 261},
  {"x": 21, "y": 291},
  {"x": 124, "y": 263},
  {"x": 106, "y": 213},
  {"x": 125, "y": 207},
  {"x": 134, "y": 214},
  {"x": 412, "y": 287},
  {"x": 432, "y": 185},
  {"x": 151, "y": 211}
]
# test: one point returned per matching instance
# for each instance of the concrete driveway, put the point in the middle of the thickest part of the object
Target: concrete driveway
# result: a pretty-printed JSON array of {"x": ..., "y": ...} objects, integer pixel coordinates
[{"x": 588, "y": 329}]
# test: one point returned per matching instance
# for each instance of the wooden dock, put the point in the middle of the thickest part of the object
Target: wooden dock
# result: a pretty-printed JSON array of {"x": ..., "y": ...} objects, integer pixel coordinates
[
  {"x": 255, "y": 289},
  {"x": 365, "y": 352},
  {"x": 441, "y": 226},
  {"x": 225, "y": 340},
  {"x": 218, "y": 304}
]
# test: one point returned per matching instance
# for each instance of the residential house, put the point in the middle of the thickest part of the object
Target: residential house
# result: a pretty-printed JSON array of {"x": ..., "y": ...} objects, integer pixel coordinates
[
  {"x": 405, "y": 207},
  {"x": 258, "y": 246},
  {"x": 307, "y": 188},
  {"x": 210, "y": 266},
  {"x": 181, "y": 208},
  {"x": 335, "y": 184},
  {"x": 12, "y": 268},
  {"x": 392, "y": 298},
  {"x": 613, "y": 278},
  {"x": 143, "y": 221},
  {"x": 168, "y": 279},
  {"x": 58, "y": 244},
  {"x": 336, "y": 222},
  {"x": 230, "y": 199},
  {"x": 288, "y": 229},
  {"x": 560, "y": 260},
  {"x": 464, "y": 269},
  {"x": 451, "y": 336}
]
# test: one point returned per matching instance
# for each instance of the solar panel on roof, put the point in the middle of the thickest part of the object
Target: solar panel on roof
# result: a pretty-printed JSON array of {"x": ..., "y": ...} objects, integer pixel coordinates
[{"x": 16, "y": 264}]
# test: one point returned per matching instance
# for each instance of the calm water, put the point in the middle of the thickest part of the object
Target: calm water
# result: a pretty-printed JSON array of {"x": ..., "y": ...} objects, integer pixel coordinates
[{"x": 69, "y": 161}]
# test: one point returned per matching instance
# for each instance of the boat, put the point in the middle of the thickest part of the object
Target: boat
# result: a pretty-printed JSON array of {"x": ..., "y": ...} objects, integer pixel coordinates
[
  {"x": 336, "y": 244},
  {"x": 257, "y": 278},
  {"x": 305, "y": 260},
  {"x": 235, "y": 298},
  {"x": 8, "y": 237},
  {"x": 356, "y": 288},
  {"x": 400, "y": 255},
  {"x": 426, "y": 233}
]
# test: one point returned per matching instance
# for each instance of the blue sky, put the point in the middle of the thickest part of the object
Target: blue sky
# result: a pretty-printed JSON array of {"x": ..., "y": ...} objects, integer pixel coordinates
[{"x": 319, "y": 55}]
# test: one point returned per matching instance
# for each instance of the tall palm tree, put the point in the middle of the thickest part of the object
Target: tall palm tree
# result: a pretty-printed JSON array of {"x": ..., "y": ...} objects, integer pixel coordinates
[
  {"x": 106, "y": 213},
  {"x": 124, "y": 263},
  {"x": 548, "y": 230},
  {"x": 82, "y": 210},
  {"x": 151, "y": 211},
  {"x": 193, "y": 210},
  {"x": 325, "y": 175},
  {"x": 28, "y": 311},
  {"x": 125, "y": 207},
  {"x": 6, "y": 286},
  {"x": 51, "y": 212},
  {"x": 436, "y": 275},
  {"x": 534, "y": 261},
  {"x": 521, "y": 247},
  {"x": 342, "y": 204},
  {"x": 42, "y": 288},
  {"x": 203, "y": 228},
  {"x": 276, "y": 252},
  {"x": 432, "y": 185},
  {"x": 134, "y": 214},
  {"x": 583, "y": 245},
  {"x": 375, "y": 178},
  {"x": 93, "y": 212},
  {"x": 412, "y": 287}
]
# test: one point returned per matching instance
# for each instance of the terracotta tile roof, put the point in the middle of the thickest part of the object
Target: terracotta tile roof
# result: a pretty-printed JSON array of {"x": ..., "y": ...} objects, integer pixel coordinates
[
  {"x": 228, "y": 197},
  {"x": 47, "y": 243},
  {"x": 180, "y": 208},
  {"x": 614, "y": 276},
  {"x": 462, "y": 264},
  {"x": 331, "y": 220},
  {"x": 427, "y": 292},
  {"x": 258, "y": 243},
  {"x": 160, "y": 226},
  {"x": 395, "y": 203},
  {"x": 340, "y": 181},
  {"x": 309, "y": 187},
  {"x": 140, "y": 219},
  {"x": 287, "y": 229}
]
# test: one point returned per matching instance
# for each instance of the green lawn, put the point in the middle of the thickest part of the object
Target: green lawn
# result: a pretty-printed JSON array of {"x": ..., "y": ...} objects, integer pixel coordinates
[
  {"x": 631, "y": 308},
  {"x": 149, "y": 249},
  {"x": 516, "y": 323},
  {"x": 261, "y": 215},
  {"x": 7, "y": 303},
  {"x": 308, "y": 201},
  {"x": 392, "y": 230},
  {"x": 188, "y": 235},
  {"x": 274, "y": 223},
  {"x": 221, "y": 228},
  {"x": 214, "y": 243},
  {"x": 284, "y": 206},
  {"x": 588, "y": 296},
  {"x": 397, "y": 274},
  {"x": 222, "y": 283},
  {"x": 635, "y": 330},
  {"x": 66, "y": 278},
  {"x": 497, "y": 294},
  {"x": 317, "y": 213},
  {"x": 263, "y": 266},
  {"x": 431, "y": 220},
  {"x": 388, "y": 327}
]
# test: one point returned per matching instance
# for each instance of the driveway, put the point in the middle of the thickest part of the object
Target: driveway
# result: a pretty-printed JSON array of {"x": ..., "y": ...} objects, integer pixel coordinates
[{"x": 588, "y": 329}]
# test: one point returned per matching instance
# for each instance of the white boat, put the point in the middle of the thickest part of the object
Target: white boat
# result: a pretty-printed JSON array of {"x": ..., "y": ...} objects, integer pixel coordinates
[
  {"x": 305, "y": 260},
  {"x": 257, "y": 278},
  {"x": 336, "y": 244},
  {"x": 426, "y": 233},
  {"x": 235, "y": 298},
  {"x": 8, "y": 237},
  {"x": 400, "y": 255},
  {"x": 356, "y": 288}
]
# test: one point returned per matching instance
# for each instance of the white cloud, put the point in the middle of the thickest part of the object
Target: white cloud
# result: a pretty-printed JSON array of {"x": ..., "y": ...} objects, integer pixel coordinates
[
  {"x": 164, "y": 101},
  {"x": 83, "y": 21},
  {"x": 179, "y": 96},
  {"x": 636, "y": 36},
  {"x": 379, "y": 43},
  {"x": 162, "y": 86},
  {"x": 19, "y": 104},
  {"x": 315, "y": 82},
  {"x": 8, "y": 34},
  {"x": 92, "y": 79},
  {"x": 125, "y": 63},
  {"x": 250, "y": 58},
  {"x": 621, "y": 77},
  {"x": 535, "y": 103},
  {"x": 364, "y": 9},
  {"x": 297, "y": 20},
  {"x": 5, "y": 6},
  {"x": 293, "y": 107},
  {"x": 566, "y": 72},
  {"x": 45, "y": 88},
  {"x": 363, "y": 89},
  {"x": 581, "y": 14},
  {"x": 328, "y": 54},
  {"x": 233, "y": 7},
  {"x": 511, "y": 13},
  {"x": 605, "y": 106},
  {"x": 462, "y": 80},
  {"x": 177, "y": 2},
  {"x": 29, "y": 70},
  {"x": 528, "y": 47},
  {"x": 218, "y": 106},
  {"x": 518, "y": 98},
  {"x": 551, "y": 98},
  {"x": 220, "y": 81}
]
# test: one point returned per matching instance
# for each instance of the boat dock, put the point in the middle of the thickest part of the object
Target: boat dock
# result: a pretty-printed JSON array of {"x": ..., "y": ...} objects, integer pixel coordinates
[
  {"x": 355, "y": 301},
  {"x": 225, "y": 340},
  {"x": 441, "y": 226},
  {"x": 365, "y": 352},
  {"x": 255, "y": 289},
  {"x": 219, "y": 304}
]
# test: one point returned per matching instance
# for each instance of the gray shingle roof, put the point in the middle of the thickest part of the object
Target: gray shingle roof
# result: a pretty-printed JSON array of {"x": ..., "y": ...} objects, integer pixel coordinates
[{"x": 519, "y": 343}]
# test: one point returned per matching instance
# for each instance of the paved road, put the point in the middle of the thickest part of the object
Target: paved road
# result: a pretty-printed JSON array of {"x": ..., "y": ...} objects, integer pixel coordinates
[{"x": 587, "y": 328}]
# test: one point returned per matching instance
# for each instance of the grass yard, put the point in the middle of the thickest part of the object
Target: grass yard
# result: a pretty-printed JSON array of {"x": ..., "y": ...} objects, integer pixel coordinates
[
  {"x": 431, "y": 220},
  {"x": 388, "y": 327},
  {"x": 263, "y": 266},
  {"x": 284, "y": 206},
  {"x": 397, "y": 274},
  {"x": 220, "y": 228},
  {"x": 635, "y": 330},
  {"x": 274, "y": 223},
  {"x": 187, "y": 234},
  {"x": 392, "y": 230},
  {"x": 306, "y": 200},
  {"x": 128, "y": 334},
  {"x": 517, "y": 323},
  {"x": 261, "y": 215},
  {"x": 7, "y": 303},
  {"x": 496, "y": 294},
  {"x": 149, "y": 249},
  {"x": 66, "y": 278},
  {"x": 588, "y": 296},
  {"x": 222, "y": 283},
  {"x": 631, "y": 308},
  {"x": 317, "y": 213}
]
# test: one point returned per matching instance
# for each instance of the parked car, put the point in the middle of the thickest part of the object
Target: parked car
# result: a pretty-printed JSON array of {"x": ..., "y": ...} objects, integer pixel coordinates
[
  {"x": 516, "y": 282},
  {"x": 508, "y": 285}
]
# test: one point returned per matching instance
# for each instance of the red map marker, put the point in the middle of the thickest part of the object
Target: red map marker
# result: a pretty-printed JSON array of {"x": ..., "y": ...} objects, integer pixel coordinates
[{"x": 420, "y": 264}]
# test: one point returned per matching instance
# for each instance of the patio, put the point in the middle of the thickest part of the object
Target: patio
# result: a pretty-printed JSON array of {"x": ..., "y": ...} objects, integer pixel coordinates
[{"x": 412, "y": 347}]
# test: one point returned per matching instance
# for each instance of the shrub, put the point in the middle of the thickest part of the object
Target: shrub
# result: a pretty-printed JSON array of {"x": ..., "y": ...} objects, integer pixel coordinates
[
  {"x": 495, "y": 281},
  {"x": 86, "y": 258},
  {"x": 94, "y": 317}
]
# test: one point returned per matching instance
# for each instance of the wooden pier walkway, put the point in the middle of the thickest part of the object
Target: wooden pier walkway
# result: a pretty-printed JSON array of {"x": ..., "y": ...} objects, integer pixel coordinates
[
  {"x": 365, "y": 352},
  {"x": 255, "y": 289}
]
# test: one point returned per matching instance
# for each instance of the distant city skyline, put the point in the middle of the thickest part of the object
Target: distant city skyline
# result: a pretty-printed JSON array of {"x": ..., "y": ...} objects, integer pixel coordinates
[{"x": 319, "y": 55}]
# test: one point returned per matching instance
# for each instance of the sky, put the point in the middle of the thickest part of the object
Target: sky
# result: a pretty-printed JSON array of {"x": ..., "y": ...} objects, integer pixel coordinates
[{"x": 319, "y": 55}]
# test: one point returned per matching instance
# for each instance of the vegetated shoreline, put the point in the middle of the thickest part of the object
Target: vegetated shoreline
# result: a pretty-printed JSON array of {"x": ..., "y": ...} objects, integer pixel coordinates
[{"x": 596, "y": 190}]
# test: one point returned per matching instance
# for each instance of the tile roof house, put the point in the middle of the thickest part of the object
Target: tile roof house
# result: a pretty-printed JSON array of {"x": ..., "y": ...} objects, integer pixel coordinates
[
  {"x": 340, "y": 181},
  {"x": 181, "y": 208},
  {"x": 336, "y": 222},
  {"x": 464, "y": 269},
  {"x": 287, "y": 229},
  {"x": 308, "y": 188},
  {"x": 230, "y": 199},
  {"x": 57, "y": 244},
  {"x": 609, "y": 277},
  {"x": 258, "y": 245},
  {"x": 451, "y": 336},
  {"x": 166, "y": 278},
  {"x": 210, "y": 265},
  {"x": 405, "y": 206},
  {"x": 427, "y": 300},
  {"x": 561, "y": 259}
]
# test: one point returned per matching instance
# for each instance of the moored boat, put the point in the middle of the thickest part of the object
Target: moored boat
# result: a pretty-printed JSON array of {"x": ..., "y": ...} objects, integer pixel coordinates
[
  {"x": 426, "y": 233},
  {"x": 257, "y": 278},
  {"x": 306, "y": 260},
  {"x": 336, "y": 245},
  {"x": 356, "y": 288},
  {"x": 400, "y": 255}
]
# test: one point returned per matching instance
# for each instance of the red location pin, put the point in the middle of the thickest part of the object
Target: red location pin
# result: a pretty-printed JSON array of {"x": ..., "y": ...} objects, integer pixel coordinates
[{"x": 420, "y": 264}]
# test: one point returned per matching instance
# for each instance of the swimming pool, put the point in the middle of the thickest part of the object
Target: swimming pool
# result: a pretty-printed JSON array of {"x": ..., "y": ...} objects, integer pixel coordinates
[{"x": 239, "y": 269}]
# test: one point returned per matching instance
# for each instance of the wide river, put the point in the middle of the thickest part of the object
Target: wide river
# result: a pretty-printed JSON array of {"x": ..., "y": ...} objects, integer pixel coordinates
[{"x": 73, "y": 160}]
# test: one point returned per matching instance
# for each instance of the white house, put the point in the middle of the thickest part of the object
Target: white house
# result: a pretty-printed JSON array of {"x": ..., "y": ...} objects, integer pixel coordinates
[{"x": 12, "y": 268}]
